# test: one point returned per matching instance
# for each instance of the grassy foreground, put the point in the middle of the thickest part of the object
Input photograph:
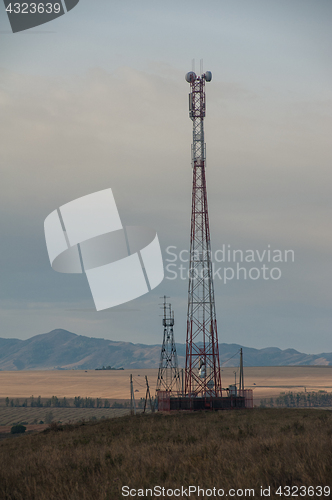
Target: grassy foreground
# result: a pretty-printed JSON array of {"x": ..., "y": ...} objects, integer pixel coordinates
[{"x": 230, "y": 449}]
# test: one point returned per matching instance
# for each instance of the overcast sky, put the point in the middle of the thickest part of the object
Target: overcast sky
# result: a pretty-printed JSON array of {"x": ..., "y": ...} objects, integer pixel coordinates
[{"x": 97, "y": 99}]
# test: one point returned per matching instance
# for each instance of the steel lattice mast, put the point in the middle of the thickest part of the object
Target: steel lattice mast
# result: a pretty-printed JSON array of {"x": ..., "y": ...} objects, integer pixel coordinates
[
  {"x": 168, "y": 374},
  {"x": 202, "y": 377}
]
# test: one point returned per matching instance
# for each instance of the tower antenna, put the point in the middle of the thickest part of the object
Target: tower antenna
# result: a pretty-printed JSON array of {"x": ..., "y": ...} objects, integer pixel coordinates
[
  {"x": 202, "y": 376},
  {"x": 168, "y": 374},
  {"x": 202, "y": 389}
]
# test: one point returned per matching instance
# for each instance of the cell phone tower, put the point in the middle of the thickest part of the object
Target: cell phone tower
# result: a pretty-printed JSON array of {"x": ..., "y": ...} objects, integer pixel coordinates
[
  {"x": 168, "y": 374},
  {"x": 202, "y": 375}
]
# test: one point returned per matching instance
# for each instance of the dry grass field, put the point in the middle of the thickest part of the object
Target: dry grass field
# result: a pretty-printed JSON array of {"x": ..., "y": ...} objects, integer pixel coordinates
[
  {"x": 241, "y": 450},
  {"x": 113, "y": 384}
]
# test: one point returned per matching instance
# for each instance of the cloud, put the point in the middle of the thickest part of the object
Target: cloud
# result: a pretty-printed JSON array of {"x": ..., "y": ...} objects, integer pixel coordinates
[{"x": 268, "y": 172}]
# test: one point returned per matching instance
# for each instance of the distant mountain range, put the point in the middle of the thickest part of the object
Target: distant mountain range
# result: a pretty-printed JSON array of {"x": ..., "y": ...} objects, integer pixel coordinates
[{"x": 61, "y": 349}]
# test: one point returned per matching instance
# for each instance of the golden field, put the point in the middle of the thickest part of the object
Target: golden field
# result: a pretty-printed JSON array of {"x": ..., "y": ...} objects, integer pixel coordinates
[{"x": 114, "y": 384}]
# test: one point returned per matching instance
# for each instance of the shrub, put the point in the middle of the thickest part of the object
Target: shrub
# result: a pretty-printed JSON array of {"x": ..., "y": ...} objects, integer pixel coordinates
[
  {"x": 18, "y": 429},
  {"x": 54, "y": 426},
  {"x": 48, "y": 417},
  {"x": 117, "y": 405}
]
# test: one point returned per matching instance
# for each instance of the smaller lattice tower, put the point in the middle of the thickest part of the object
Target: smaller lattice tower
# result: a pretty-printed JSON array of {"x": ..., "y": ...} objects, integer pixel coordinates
[{"x": 168, "y": 374}]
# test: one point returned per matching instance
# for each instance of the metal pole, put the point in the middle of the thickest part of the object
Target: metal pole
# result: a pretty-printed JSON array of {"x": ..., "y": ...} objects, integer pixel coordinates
[
  {"x": 241, "y": 386},
  {"x": 132, "y": 397},
  {"x": 146, "y": 394}
]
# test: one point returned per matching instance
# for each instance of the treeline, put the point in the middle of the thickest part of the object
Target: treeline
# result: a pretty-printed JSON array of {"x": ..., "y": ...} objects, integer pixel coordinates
[
  {"x": 318, "y": 399},
  {"x": 55, "y": 402},
  {"x": 97, "y": 403}
]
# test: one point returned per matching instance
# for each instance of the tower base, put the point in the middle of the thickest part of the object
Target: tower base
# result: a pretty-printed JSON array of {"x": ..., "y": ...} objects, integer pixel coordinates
[{"x": 166, "y": 402}]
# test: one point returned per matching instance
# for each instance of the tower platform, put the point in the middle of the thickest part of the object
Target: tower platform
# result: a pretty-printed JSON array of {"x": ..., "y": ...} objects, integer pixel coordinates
[{"x": 242, "y": 400}]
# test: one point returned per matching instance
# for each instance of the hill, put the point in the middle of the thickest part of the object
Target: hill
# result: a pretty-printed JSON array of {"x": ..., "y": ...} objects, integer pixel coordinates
[{"x": 60, "y": 349}]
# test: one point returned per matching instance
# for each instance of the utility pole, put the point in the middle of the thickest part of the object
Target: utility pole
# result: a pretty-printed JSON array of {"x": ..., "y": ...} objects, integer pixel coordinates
[
  {"x": 202, "y": 376},
  {"x": 241, "y": 384},
  {"x": 132, "y": 397},
  {"x": 148, "y": 395}
]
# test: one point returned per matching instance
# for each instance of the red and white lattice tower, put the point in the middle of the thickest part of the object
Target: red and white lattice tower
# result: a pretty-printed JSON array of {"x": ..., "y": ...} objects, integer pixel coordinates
[{"x": 202, "y": 376}]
